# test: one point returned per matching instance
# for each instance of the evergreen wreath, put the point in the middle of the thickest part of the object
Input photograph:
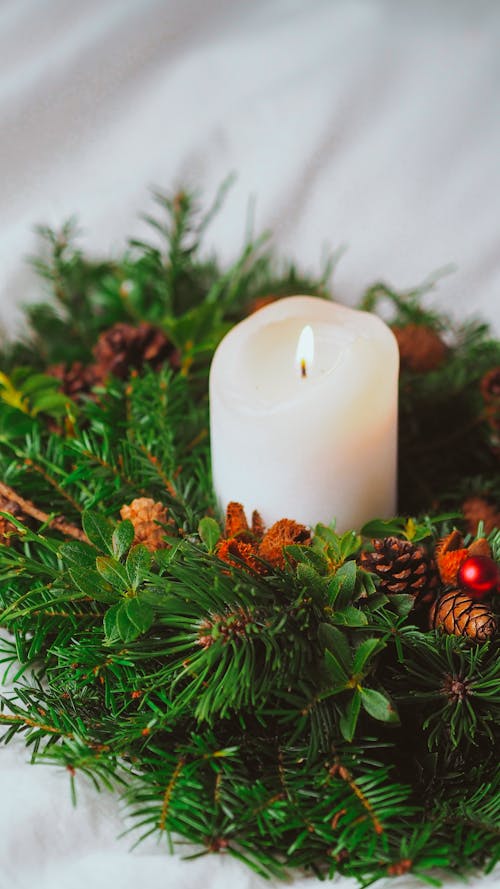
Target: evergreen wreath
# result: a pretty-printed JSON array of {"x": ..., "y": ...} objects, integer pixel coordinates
[{"x": 294, "y": 698}]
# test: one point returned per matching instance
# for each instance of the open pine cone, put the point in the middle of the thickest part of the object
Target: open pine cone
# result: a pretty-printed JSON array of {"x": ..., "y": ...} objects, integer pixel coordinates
[
  {"x": 402, "y": 567},
  {"x": 147, "y": 518},
  {"x": 124, "y": 347},
  {"x": 479, "y": 509},
  {"x": 420, "y": 348},
  {"x": 490, "y": 385},
  {"x": 76, "y": 379}
]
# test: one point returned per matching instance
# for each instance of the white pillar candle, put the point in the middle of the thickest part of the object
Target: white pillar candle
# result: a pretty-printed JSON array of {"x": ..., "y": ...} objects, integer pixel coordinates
[{"x": 303, "y": 414}]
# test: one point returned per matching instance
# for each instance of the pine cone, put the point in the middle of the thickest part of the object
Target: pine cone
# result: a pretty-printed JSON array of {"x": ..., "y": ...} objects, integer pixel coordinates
[
  {"x": 479, "y": 509},
  {"x": 457, "y": 614},
  {"x": 402, "y": 567},
  {"x": 145, "y": 515},
  {"x": 7, "y": 529},
  {"x": 77, "y": 379},
  {"x": 490, "y": 385},
  {"x": 124, "y": 347},
  {"x": 283, "y": 533},
  {"x": 420, "y": 348}
]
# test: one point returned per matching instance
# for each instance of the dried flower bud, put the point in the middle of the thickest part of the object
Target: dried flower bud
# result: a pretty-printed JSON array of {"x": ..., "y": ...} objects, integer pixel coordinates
[
  {"x": 283, "y": 533},
  {"x": 450, "y": 553}
]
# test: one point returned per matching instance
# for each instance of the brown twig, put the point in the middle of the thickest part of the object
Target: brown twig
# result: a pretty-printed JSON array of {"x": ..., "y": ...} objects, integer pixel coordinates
[{"x": 29, "y": 508}]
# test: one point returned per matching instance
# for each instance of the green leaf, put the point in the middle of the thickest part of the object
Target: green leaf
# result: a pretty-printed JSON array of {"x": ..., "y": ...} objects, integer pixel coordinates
[
  {"x": 139, "y": 613},
  {"x": 210, "y": 533},
  {"x": 364, "y": 653},
  {"x": 349, "y": 718},
  {"x": 138, "y": 565},
  {"x": 375, "y": 601},
  {"x": 350, "y": 542},
  {"x": 350, "y": 617},
  {"x": 54, "y": 403},
  {"x": 39, "y": 382},
  {"x": 78, "y": 554},
  {"x": 157, "y": 596},
  {"x": 401, "y": 603},
  {"x": 328, "y": 535},
  {"x": 332, "y": 639},
  {"x": 113, "y": 572},
  {"x": 384, "y": 527},
  {"x": 306, "y": 555},
  {"x": 335, "y": 668},
  {"x": 345, "y": 578},
  {"x": 122, "y": 538},
  {"x": 312, "y": 580},
  {"x": 378, "y": 706},
  {"x": 99, "y": 530},
  {"x": 90, "y": 582},
  {"x": 14, "y": 423},
  {"x": 129, "y": 620},
  {"x": 110, "y": 623}
]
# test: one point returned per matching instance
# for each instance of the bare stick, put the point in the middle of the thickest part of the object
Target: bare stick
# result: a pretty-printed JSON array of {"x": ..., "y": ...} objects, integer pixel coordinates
[{"x": 29, "y": 508}]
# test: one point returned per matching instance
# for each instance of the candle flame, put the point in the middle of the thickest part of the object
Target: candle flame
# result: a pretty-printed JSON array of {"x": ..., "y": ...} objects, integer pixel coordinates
[{"x": 305, "y": 350}]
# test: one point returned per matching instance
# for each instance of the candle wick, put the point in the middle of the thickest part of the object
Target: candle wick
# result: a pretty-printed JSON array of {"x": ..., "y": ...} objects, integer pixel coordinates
[{"x": 303, "y": 369}]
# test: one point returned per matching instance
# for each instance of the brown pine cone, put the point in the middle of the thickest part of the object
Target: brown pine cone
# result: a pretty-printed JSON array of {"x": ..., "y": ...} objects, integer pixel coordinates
[
  {"x": 479, "y": 509},
  {"x": 420, "y": 348},
  {"x": 283, "y": 533},
  {"x": 402, "y": 567},
  {"x": 77, "y": 379},
  {"x": 124, "y": 347},
  {"x": 7, "y": 529},
  {"x": 147, "y": 518},
  {"x": 457, "y": 614},
  {"x": 490, "y": 385}
]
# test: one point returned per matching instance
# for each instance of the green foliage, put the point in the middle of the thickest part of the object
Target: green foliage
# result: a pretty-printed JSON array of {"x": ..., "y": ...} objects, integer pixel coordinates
[{"x": 298, "y": 718}]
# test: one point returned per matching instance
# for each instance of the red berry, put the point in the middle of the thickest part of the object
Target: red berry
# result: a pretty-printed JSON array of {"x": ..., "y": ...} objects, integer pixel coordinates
[{"x": 479, "y": 575}]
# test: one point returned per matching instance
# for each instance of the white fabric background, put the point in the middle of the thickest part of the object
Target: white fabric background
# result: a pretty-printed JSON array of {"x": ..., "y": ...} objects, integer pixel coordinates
[{"x": 369, "y": 123}]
